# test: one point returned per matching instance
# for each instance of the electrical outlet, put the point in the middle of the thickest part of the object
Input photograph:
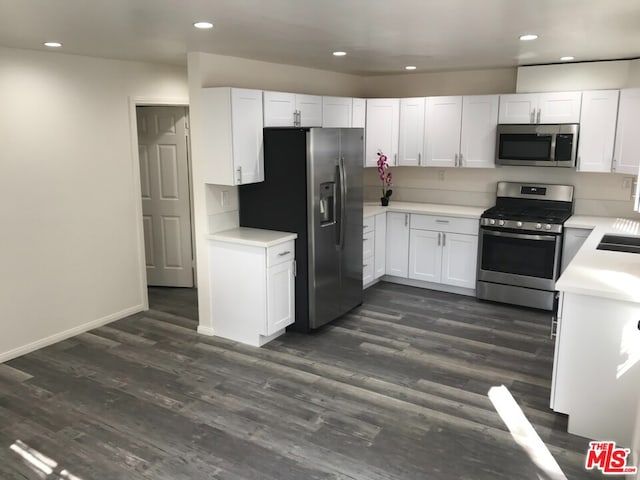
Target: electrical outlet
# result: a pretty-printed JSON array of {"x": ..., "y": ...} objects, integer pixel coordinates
[
  {"x": 224, "y": 198},
  {"x": 441, "y": 175}
]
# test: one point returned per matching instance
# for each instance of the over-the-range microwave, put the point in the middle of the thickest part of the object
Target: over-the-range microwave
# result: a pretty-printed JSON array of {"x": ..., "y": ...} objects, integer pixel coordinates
[{"x": 537, "y": 145}]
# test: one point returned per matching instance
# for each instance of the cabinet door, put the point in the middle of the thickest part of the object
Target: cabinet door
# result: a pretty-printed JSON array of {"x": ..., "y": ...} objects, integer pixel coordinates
[
  {"x": 336, "y": 112},
  {"x": 425, "y": 255},
  {"x": 518, "y": 108},
  {"x": 280, "y": 297},
  {"x": 411, "y": 131},
  {"x": 279, "y": 108},
  {"x": 383, "y": 123},
  {"x": 359, "y": 113},
  {"x": 459, "y": 259},
  {"x": 397, "y": 257},
  {"x": 368, "y": 244},
  {"x": 442, "y": 131},
  {"x": 559, "y": 107},
  {"x": 478, "y": 138},
  {"x": 627, "y": 148},
  {"x": 597, "y": 130},
  {"x": 310, "y": 110},
  {"x": 246, "y": 126},
  {"x": 380, "y": 244},
  {"x": 598, "y": 372}
]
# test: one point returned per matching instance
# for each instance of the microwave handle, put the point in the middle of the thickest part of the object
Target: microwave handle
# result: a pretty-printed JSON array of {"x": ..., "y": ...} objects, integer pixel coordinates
[{"x": 552, "y": 157}]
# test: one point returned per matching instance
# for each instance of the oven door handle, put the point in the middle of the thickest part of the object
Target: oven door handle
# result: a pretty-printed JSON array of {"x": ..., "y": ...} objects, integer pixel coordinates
[{"x": 547, "y": 238}]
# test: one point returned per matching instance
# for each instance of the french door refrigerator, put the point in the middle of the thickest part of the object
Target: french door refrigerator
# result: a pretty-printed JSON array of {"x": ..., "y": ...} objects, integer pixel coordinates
[{"x": 313, "y": 187}]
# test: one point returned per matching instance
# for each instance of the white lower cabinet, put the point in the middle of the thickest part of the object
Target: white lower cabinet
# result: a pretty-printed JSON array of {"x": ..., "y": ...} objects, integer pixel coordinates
[
  {"x": 596, "y": 370},
  {"x": 373, "y": 248},
  {"x": 446, "y": 256},
  {"x": 397, "y": 244},
  {"x": 252, "y": 290}
]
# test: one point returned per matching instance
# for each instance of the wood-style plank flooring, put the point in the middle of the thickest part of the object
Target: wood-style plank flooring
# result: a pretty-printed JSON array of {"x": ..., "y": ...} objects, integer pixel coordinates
[{"x": 395, "y": 390}]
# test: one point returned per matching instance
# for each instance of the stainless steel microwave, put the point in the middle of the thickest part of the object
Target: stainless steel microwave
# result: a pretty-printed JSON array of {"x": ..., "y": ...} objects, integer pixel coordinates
[{"x": 537, "y": 145}]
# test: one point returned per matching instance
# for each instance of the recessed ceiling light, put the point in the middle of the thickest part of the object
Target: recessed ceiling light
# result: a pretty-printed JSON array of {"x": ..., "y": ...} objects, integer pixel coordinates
[
  {"x": 410, "y": 67},
  {"x": 339, "y": 54},
  {"x": 567, "y": 59},
  {"x": 52, "y": 44},
  {"x": 203, "y": 25},
  {"x": 528, "y": 37}
]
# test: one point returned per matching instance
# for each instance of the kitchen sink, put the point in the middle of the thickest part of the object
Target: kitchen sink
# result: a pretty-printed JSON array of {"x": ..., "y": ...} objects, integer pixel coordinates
[{"x": 620, "y": 243}]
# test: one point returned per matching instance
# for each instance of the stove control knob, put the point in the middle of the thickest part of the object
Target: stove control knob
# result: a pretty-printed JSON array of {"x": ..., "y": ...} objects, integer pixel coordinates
[
  {"x": 547, "y": 227},
  {"x": 519, "y": 224},
  {"x": 501, "y": 222},
  {"x": 492, "y": 222},
  {"x": 538, "y": 225}
]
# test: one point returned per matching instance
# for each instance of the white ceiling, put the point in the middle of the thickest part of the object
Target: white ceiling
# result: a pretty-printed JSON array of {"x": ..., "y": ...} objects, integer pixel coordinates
[{"x": 380, "y": 36}]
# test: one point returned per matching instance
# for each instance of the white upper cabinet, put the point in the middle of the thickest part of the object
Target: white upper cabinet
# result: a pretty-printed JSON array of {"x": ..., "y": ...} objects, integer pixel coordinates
[
  {"x": 411, "y": 131},
  {"x": 551, "y": 107},
  {"x": 478, "y": 137},
  {"x": 359, "y": 113},
  {"x": 337, "y": 112},
  {"x": 443, "y": 125},
  {"x": 627, "y": 146},
  {"x": 383, "y": 121},
  {"x": 597, "y": 130},
  {"x": 283, "y": 109},
  {"x": 233, "y": 145}
]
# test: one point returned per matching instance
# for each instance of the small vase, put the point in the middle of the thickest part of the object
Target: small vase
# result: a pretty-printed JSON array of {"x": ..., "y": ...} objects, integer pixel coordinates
[{"x": 384, "y": 201}]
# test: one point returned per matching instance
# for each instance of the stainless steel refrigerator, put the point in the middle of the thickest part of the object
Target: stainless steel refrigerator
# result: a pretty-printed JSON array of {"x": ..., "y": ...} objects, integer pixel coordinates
[{"x": 313, "y": 186}]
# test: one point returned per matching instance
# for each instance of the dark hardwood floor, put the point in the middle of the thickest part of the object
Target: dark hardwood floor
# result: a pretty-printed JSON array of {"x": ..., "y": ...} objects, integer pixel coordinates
[{"x": 395, "y": 390}]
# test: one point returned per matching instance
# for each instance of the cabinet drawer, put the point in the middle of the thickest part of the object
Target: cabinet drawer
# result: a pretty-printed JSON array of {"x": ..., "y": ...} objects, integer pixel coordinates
[
  {"x": 367, "y": 244},
  {"x": 368, "y": 224},
  {"x": 282, "y": 252},
  {"x": 440, "y": 223}
]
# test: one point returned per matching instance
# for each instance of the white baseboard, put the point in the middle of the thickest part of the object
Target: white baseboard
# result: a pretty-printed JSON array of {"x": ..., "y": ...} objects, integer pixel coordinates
[
  {"x": 58, "y": 337},
  {"x": 470, "y": 292},
  {"x": 208, "y": 331}
]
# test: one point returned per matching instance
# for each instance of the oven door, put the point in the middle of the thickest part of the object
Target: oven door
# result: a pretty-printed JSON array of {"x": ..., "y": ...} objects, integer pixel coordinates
[{"x": 521, "y": 259}]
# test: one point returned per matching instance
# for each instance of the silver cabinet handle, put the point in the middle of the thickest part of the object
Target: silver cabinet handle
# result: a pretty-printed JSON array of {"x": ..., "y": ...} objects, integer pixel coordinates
[
  {"x": 419, "y": 159},
  {"x": 406, "y": 219},
  {"x": 365, "y": 265},
  {"x": 554, "y": 328},
  {"x": 461, "y": 157},
  {"x": 532, "y": 116},
  {"x": 538, "y": 118},
  {"x": 444, "y": 239},
  {"x": 613, "y": 164},
  {"x": 439, "y": 238},
  {"x": 282, "y": 254},
  {"x": 442, "y": 221},
  {"x": 455, "y": 160},
  {"x": 239, "y": 175},
  {"x": 364, "y": 227},
  {"x": 364, "y": 239},
  {"x": 395, "y": 159}
]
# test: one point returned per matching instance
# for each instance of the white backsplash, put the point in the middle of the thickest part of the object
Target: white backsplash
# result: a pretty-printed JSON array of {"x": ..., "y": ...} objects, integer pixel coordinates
[{"x": 601, "y": 194}]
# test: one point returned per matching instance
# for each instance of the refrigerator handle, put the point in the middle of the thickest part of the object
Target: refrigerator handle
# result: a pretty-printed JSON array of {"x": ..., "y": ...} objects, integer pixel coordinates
[{"x": 343, "y": 198}]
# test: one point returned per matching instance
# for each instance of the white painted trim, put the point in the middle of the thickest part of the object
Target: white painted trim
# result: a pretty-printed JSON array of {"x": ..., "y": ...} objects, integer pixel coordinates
[
  {"x": 58, "y": 337},
  {"x": 137, "y": 187},
  {"x": 203, "y": 330}
]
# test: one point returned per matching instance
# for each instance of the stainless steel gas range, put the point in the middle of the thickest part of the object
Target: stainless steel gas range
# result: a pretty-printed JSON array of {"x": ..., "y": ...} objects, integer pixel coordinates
[{"x": 521, "y": 243}]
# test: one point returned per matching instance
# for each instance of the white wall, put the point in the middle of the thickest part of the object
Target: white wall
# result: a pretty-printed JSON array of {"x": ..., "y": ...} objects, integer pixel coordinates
[
  {"x": 208, "y": 70},
  {"x": 70, "y": 234},
  {"x": 464, "y": 82}
]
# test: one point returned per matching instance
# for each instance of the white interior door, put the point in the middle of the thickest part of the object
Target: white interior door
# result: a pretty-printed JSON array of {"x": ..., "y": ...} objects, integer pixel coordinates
[{"x": 166, "y": 210}]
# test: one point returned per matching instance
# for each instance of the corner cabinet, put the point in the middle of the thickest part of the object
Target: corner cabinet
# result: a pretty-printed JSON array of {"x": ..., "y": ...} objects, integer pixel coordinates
[
  {"x": 283, "y": 109},
  {"x": 232, "y": 135},
  {"x": 597, "y": 130},
  {"x": 383, "y": 122},
  {"x": 551, "y": 107},
  {"x": 627, "y": 145},
  {"x": 252, "y": 284}
]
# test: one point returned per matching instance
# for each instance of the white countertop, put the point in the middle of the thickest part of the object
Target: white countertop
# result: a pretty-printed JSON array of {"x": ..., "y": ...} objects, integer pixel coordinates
[
  {"x": 426, "y": 208},
  {"x": 254, "y": 237},
  {"x": 601, "y": 273}
]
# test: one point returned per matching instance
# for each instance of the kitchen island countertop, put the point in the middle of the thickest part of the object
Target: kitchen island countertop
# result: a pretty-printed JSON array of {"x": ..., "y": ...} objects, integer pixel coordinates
[
  {"x": 255, "y": 237},
  {"x": 602, "y": 273}
]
